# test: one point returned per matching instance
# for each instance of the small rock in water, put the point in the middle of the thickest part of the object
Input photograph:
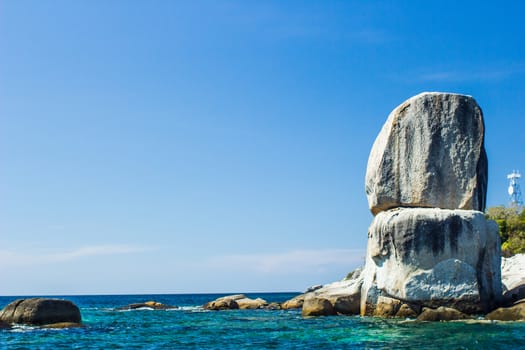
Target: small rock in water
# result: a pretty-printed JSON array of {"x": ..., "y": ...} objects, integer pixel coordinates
[{"x": 148, "y": 304}]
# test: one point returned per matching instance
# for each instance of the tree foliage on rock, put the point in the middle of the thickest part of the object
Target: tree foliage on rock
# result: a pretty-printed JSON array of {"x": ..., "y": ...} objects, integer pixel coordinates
[{"x": 511, "y": 222}]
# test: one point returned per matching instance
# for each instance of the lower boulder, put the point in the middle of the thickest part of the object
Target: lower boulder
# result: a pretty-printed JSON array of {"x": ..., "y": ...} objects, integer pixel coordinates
[
  {"x": 432, "y": 257},
  {"x": 40, "y": 311}
]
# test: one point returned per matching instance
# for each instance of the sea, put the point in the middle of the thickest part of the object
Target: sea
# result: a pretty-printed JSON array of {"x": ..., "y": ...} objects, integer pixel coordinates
[{"x": 191, "y": 327}]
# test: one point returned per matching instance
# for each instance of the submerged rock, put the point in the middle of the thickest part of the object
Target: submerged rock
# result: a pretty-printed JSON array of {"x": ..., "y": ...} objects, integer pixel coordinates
[
  {"x": 433, "y": 257},
  {"x": 148, "y": 304},
  {"x": 40, "y": 311},
  {"x": 429, "y": 153},
  {"x": 62, "y": 325}
]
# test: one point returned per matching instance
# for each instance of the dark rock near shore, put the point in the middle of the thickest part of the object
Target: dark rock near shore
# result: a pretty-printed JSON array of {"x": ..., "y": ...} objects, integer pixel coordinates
[{"x": 40, "y": 311}]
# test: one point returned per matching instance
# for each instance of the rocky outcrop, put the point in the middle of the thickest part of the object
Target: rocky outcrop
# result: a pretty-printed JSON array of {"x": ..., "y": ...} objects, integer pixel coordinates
[
  {"x": 513, "y": 278},
  {"x": 429, "y": 153},
  {"x": 40, "y": 311},
  {"x": 237, "y": 301},
  {"x": 433, "y": 257},
  {"x": 4, "y": 325},
  {"x": 429, "y": 244},
  {"x": 154, "y": 305},
  {"x": 442, "y": 314},
  {"x": 513, "y": 313}
]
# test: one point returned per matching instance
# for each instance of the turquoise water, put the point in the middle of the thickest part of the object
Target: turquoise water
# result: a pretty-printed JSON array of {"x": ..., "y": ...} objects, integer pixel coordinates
[{"x": 190, "y": 327}]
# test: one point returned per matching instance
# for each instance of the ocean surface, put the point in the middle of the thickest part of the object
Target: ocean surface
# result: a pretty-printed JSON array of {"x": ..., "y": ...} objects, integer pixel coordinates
[{"x": 191, "y": 327}]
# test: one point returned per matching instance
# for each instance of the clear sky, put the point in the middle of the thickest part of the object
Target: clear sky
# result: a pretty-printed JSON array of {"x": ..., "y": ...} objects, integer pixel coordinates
[{"x": 221, "y": 146}]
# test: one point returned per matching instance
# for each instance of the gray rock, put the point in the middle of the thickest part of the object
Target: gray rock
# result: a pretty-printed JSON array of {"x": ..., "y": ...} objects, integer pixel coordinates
[
  {"x": 40, "y": 311},
  {"x": 513, "y": 278},
  {"x": 429, "y": 153},
  {"x": 433, "y": 257}
]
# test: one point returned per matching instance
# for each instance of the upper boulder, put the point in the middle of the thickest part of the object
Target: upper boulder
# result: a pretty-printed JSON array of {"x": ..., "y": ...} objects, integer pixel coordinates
[{"x": 429, "y": 153}]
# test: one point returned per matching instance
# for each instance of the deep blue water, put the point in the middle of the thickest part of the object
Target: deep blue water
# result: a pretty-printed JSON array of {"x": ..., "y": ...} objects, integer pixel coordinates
[{"x": 190, "y": 327}]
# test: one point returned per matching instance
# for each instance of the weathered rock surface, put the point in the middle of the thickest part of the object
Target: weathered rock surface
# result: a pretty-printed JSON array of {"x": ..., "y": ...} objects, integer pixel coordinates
[
  {"x": 513, "y": 313},
  {"x": 429, "y": 153},
  {"x": 294, "y": 303},
  {"x": 147, "y": 305},
  {"x": 432, "y": 257},
  {"x": 4, "y": 325},
  {"x": 40, "y": 311},
  {"x": 317, "y": 306},
  {"x": 237, "y": 301},
  {"x": 441, "y": 314},
  {"x": 344, "y": 295},
  {"x": 513, "y": 278}
]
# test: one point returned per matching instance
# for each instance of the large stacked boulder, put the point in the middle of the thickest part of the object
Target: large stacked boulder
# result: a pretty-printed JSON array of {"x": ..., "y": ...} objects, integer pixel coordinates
[
  {"x": 429, "y": 153},
  {"x": 430, "y": 244}
]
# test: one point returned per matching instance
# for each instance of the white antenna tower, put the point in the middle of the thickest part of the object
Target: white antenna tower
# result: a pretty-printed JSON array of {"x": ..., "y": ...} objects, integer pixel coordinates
[{"x": 514, "y": 189}]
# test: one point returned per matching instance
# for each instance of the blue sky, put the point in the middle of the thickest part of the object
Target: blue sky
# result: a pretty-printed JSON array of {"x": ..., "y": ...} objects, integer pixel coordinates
[{"x": 221, "y": 146}]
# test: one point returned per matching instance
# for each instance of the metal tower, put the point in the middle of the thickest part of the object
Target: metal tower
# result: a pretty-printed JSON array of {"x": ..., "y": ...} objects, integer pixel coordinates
[{"x": 514, "y": 189}]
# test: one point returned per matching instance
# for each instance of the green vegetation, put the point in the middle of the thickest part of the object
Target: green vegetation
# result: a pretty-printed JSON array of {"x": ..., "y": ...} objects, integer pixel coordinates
[{"x": 511, "y": 222}]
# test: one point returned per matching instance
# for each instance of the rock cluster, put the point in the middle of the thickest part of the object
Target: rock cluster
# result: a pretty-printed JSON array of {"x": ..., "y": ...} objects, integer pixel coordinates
[
  {"x": 40, "y": 312},
  {"x": 238, "y": 301},
  {"x": 429, "y": 244}
]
